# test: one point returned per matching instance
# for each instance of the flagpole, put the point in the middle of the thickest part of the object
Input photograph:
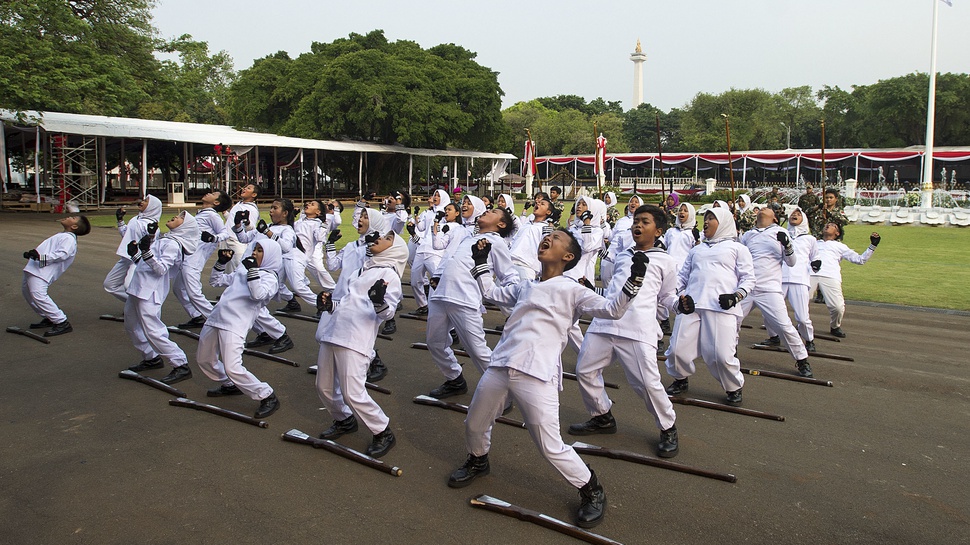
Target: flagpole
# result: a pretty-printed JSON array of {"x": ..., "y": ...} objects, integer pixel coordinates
[
  {"x": 926, "y": 186},
  {"x": 660, "y": 156}
]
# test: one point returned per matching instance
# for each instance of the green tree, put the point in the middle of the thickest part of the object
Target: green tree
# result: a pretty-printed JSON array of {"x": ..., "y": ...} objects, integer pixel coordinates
[{"x": 640, "y": 129}]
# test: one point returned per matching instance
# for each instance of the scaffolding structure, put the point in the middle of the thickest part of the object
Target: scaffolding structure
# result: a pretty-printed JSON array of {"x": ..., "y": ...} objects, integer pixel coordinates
[{"x": 73, "y": 170}]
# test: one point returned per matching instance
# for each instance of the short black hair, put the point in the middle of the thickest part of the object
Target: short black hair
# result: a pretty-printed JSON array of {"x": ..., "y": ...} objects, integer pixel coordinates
[
  {"x": 287, "y": 205},
  {"x": 83, "y": 226},
  {"x": 575, "y": 248},
  {"x": 541, "y": 195},
  {"x": 223, "y": 201},
  {"x": 840, "y": 228},
  {"x": 506, "y": 231},
  {"x": 555, "y": 188},
  {"x": 831, "y": 190},
  {"x": 405, "y": 198},
  {"x": 659, "y": 217},
  {"x": 256, "y": 189}
]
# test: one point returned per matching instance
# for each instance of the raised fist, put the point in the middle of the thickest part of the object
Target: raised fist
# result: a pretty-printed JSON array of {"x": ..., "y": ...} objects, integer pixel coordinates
[
  {"x": 225, "y": 256},
  {"x": 685, "y": 304},
  {"x": 333, "y": 236},
  {"x": 445, "y": 228},
  {"x": 239, "y": 216},
  {"x": 245, "y": 217},
  {"x": 145, "y": 243},
  {"x": 261, "y": 226},
  {"x": 638, "y": 268},
  {"x": 417, "y": 210},
  {"x": 152, "y": 228},
  {"x": 371, "y": 238},
  {"x": 376, "y": 293},
  {"x": 586, "y": 283},
  {"x": 728, "y": 300},
  {"x": 874, "y": 239},
  {"x": 249, "y": 263},
  {"x": 207, "y": 237},
  {"x": 434, "y": 282},
  {"x": 816, "y": 265},
  {"x": 586, "y": 216},
  {"x": 440, "y": 215},
  {"x": 528, "y": 205},
  {"x": 480, "y": 251},
  {"x": 324, "y": 302},
  {"x": 120, "y": 214},
  {"x": 783, "y": 238},
  {"x": 132, "y": 249},
  {"x": 32, "y": 254},
  {"x": 410, "y": 228}
]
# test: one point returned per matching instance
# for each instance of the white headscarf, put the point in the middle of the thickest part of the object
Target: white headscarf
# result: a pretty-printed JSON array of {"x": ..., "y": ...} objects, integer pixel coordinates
[
  {"x": 478, "y": 206},
  {"x": 508, "y": 202},
  {"x": 444, "y": 200},
  {"x": 153, "y": 212},
  {"x": 725, "y": 225},
  {"x": 272, "y": 254},
  {"x": 746, "y": 202},
  {"x": 187, "y": 235},
  {"x": 691, "y": 217},
  {"x": 375, "y": 221},
  {"x": 801, "y": 228},
  {"x": 612, "y": 198},
  {"x": 722, "y": 204},
  {"x": 395, "y": 257},
  {"x": 598, "y": 209}
]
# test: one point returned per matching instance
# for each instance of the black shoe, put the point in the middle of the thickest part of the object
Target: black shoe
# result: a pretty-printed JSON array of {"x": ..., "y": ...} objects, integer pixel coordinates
[
  {"x": 59, "y": 329},
  {"x": 592, "y": 505},
  {"x": 810, "y": 346},
  {"x": 340, "y": 427},
  {"x": 836, "y": 332},
  {"x": 390, "y": 327},
  {"x": 198, "y": 321},
  {"x": 678, "y": 386},
  {"x": 772, "y": 341},
  {"x": 224, "y": 390},
  {"x": 421, "y": 311},
  {"x": 43, "y": 324},
  {"x": 292, "y": 306},
  {"x": 734, "y": 398},
  {"x": 665, "y": 326},
  {"x": 178, "y": 374},
  {"x": 660, "y": 347},
  {"x": 381, "y": 443},
  {"x": 804, "y": 369},
  {"x": 668, "y": 443},
  {"x": 604, "y": 423},
  {"x": 454, "y": 336},
  {"x": 282, "y": 344},
  {"x": 312, "y": 369},
  {"x": 500, "y": 327},
  {"x": 400, "y": 305},
  {"x": 261, "y": 340},
  {"x": 474, "y": 467},
  {"x": 449, "y": 388},
  {"x": 818, "y": 297},
  {"x": 145, "y": 365},
  {"x": 377, "y": 370},
  {"x": 267, "y": 406}
]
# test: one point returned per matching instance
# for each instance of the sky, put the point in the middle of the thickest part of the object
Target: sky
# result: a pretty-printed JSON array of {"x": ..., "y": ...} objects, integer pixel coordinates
[{"x": 544, "y": 48}]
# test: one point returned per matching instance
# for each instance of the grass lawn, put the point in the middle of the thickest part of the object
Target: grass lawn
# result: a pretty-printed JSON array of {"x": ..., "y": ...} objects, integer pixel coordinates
[{"x": 915, "y": 266}]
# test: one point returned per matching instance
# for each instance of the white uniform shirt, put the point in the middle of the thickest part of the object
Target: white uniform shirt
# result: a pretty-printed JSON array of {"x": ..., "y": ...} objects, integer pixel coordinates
[
  {"x": 349, "y": 259},
  {"x": 310, "y": 232},
  {"x": 240, "y": 303},
  {"x": 211, "y": 222},
  {"x": 253, "y": 218},
  {"x": 457, "y": 285},
  {"x": 659, "y": 289},
  {"x": 525, "y": 247},
  {"x": 806, "y": 251},
  {"x": 425, "y": 230},
  {"x": 153, "y": 277},
  {"x": 679, "y": 243},
  {"x": 542, "y": 315},
  {"x": 56, "y": 255},
  {"x": 354, "y": 323},
  {"x": 442, "y": 240},
  {"x": 714, "y": 269},
  {"x": 831, "y": 252},
  {"x": 767, "y": 255}
]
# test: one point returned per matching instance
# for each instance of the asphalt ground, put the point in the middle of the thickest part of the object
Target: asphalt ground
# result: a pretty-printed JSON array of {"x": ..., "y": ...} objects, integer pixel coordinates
[{"x": 881, "y": 457}]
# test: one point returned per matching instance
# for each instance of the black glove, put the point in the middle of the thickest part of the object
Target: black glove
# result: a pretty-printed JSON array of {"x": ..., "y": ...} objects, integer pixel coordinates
[
  {"x": 207, "y": 237},
  {"x": 874, "y": 239},
  {"x": 120, "y": 214},
  {"x": 639, "y": 268},
  {"x": 509, "y": 210},
  {"x": 587, "y": 283},
  {"x": 32, "y": 254},
  {"x": 489, "y": 206},
  {"x": 245, "y": 217},
  {"x": 417, "y": 210},
  {"x": 240, "y": 215},
  {"x": 728, "y": 300},
  {"x": 333, "y": 236},
  {"x": 783, "y": 238},
  {"x": 331, "y": 207},
  {"x": 249, "y": 262},
  {"x": 816, "y": 265},
  {"x": 376, "y": 293},
  {"x": 480, "y": 251},
  {"x": 261, "y": 226},
  {"x": 697, "y": 234},
  {"x": 556, "y": 216},
  {"x": 371, "y": 238},
  {"x": 152, "y": 228},
  {"x": 686, "y": 304},
  {"x": 445, "y": 228},
  {"x": 528, "y": 205},
  {"x": 410, "y": 228},
  {"x": 572, "y": 209},
  {"x": 440, "y": 215},
  {"x": 145, "y": 243},
  {"x": 224, "y": 256},
  {"x": 324, "y": 302},
  {"x": 587, "y": 215},
  {"x": 434, "y": 282},
  {"x": 132, "y": 249}
]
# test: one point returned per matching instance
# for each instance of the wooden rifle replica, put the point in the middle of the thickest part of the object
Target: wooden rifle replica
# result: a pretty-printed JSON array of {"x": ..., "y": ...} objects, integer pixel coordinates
[
  {"x": 205, "y": 407},
  {"x": 505, "y": 508},
  {"x": 297, "y": 436}
]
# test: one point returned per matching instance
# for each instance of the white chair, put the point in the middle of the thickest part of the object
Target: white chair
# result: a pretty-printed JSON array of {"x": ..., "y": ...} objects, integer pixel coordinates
[
  {"x": 876, "y": 214},
  {"x": 932, "y": 216},
  {"x": 902, "y": 215},
  {"x": 960, "y": 217}
]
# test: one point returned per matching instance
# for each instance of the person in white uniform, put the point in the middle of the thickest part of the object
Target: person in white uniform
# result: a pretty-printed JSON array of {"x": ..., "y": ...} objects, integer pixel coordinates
[
  {"x": 157, "y": 265},
  {"x": 795, "y": 280},
  {"x": 426, "y": 256},
  {"x": 619, "y": 240},
  {"x": 149, "y": 212},
  {"x": 632, "y": 340},
  {"x": 828, "y": 279},
  {"x": 347, "y": 332},
  {"x": 331, "y": 222},
  {"x": 213, "y": 232},
  {"x": 770, "y": 247},
  {"x": 45, "y": 264},
  {"x": 717, "y": 275},
  {"x": 526, "y": 243},
  {"x": 241, "y": 217},
  {"x": 248, "y": 289},
  {"x": 530, "y": 371}
]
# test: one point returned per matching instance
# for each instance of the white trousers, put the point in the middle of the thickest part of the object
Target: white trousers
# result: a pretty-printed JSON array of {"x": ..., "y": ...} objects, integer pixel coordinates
[
  {"x": 832, "y": 292},
  {"x": 294, "y": 274},
  {"x": 117, "y": 279},
  {"x": 775, "y": 314},
  {"x": 143, "y": 323},
  {"x": 342, "y": 368},
  {"x": 188, "y": 290},
  {"x": 538, "y": 402},
  {"x": 319, "y": 270},
  {"x": 711, "y": 335},
  {"x": 35, "y": 289},
  {"x": 220, "y": 358},
  {"x": 442, "y": 317},
  {"x": 423, "y": 267},
  {"x": 798, "y": 296},
  {"x": 266, "y": 323},
  {"x": 238, "y": 253},
  {"x": 639, "y": 361}
]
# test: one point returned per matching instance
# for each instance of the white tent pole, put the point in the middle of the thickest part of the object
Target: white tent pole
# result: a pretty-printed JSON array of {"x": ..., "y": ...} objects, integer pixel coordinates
[
  {"x": 37, "y": 163},
  {"x": 5, "y": 174},
  {"x": 360, "y": 176},
  {"x": 103, "y": 167},
  {"x": 926, "y": 180},
  {"x": 144, "y": 166},
  {"x": 410, "y": 175},
  {"x": 316, "y": 173},
  {"x": 302, "y": 197}
]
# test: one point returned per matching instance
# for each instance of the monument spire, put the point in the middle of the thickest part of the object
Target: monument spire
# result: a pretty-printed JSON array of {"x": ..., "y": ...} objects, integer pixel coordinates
[{"x": 638, "y": 57}]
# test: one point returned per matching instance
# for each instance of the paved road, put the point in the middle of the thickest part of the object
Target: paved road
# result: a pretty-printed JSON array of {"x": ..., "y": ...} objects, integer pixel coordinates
[{"x": 881, "y": 457}]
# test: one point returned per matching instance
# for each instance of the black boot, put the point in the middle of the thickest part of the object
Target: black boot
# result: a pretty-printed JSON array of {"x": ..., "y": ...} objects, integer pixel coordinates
[
  {"x": 678, "y": 386},
  {"x": 59, "y": 329},
  {"x": 340, "y": 427},
  {"x": 665, "y": 326},
  {"x": 292, "y": 306},
  {"x": 668, "y": 443},
  {"x": 377, "y": 370},
  {"x": 837, "y": 332},
  {"x": 261, "y": 340},
  {"x": 224, "y": 390},
  {"x": 178, "y": 374},
  {"x": 381, "y": 443},
  {"x": 804, "y": 369},
  {"x": 453, "y": 387},
  {"x": 604, "y": 423},
  {"x": 390, "y": 327},
  {"x": 454, "y": 336},
  {"x": 772, "y": 341},
  {"x": 734, "y": 398},
  {"x": 43, "y": 324},
  {"x": 198, "y": 321},
  {"x": 145, "y": 365},
  {"x": 592, "y": 503},
  {"x": 810, "y": 346},
  {"x": 282, "y": 344},
  {"x": 474, "y": 467},
  {"x": 421, "y": 311},
  {"x": 267, "y": 406}
]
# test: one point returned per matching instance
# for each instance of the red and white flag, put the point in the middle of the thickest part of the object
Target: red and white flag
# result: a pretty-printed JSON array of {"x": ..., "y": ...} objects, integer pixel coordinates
[
  {"x": 529, "y": 159},
  {"x": 600, "y": 163}
]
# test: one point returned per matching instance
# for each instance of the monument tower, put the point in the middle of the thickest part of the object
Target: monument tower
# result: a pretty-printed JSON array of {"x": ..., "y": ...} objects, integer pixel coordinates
[{"x": 638, "y": 57}]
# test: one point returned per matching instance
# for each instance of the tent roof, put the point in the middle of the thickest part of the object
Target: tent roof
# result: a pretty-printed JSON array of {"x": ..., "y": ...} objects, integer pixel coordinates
[
  {"x": 940, "y": 153},
  {"x": 197, "y": 133}
]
